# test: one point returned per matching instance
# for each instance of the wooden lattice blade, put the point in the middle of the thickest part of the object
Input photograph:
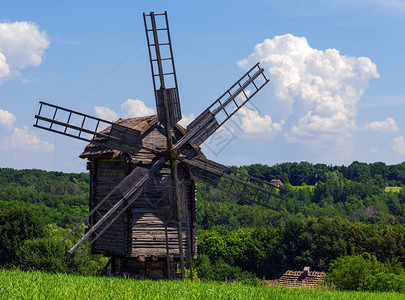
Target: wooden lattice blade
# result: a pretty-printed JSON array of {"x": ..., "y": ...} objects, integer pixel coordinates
[
  {"x": 225, "y": 106},
  {"x": 235, "y": 183},
  {"x": 130, "y": 188},
  {"x": 162, "y": 68},
  {"x": 88, "y": 128}
]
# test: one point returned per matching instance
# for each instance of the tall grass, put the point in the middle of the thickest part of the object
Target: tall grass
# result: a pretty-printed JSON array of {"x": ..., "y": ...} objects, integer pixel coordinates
[{"x": 15, "y": 284}]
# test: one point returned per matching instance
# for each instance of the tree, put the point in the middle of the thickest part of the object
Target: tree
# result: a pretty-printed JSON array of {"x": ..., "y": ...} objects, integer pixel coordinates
[
  {"x": 351, "y": 272},
  {"x": 359, "y": 171},
  {"x": 17, "y": 224}
]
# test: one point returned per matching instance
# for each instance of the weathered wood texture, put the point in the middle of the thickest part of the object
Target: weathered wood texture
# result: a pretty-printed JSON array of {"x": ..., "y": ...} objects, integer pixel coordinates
[
  {"x": 301, "y": 278},
  {"x": 151, "y": 267},
  {"x": 140, "y": 231}
]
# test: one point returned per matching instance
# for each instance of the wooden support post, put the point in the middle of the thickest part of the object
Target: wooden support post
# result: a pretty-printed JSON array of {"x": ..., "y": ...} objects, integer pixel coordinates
[
  {"x": 190, "y": 249},
  {"x": 167, "y": 250},
  {"x": 173, "y": 163}
]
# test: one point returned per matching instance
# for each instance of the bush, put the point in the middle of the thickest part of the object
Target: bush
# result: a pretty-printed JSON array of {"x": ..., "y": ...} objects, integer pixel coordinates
[
  {"x": 17, "y": 224},
  {"x": 350, "y": 272},
  {"x": 220, "y": 271},
  {"x": 385, "y": 283},
  {"x": 44, "y": 254},
  {"x": 364, "y": 272},
  {"x": 49, "y": 255}
]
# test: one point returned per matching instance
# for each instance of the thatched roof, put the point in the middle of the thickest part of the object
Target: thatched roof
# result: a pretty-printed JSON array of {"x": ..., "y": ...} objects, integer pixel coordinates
[{"x": 93, "y": 151}]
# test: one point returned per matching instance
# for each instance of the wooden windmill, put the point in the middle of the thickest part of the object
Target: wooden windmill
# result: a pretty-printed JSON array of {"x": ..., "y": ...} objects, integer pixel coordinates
[{"x": 142, "y": 208}]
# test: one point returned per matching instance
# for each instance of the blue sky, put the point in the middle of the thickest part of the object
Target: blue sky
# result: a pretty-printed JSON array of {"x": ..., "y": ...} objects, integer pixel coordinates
[{"x": 336, "y": 69}]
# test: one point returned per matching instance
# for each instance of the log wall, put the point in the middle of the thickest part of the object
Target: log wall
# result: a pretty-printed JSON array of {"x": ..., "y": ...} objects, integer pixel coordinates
[{"x": 140, "y": 232}]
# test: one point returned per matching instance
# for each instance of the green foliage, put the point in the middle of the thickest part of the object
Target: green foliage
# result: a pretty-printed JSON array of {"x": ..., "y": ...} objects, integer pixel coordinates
[
  {"x": 365, "y": 272},
  {"x": 332, "y": 211},
  {"x": 220, "y": 270},
  {"x": 385, "y": 282},
  {"x": 350, "y": 272},
  {"x": 25, "y": 242},
  {"x": 45, "y": 254},
  {"x": 58, "y": 197},
  {"x": 17, "y": 224},
  {"x": 49, "y": 255},
  {"x": 314, "y": 242},
  {"x": 357, "y": 193}
]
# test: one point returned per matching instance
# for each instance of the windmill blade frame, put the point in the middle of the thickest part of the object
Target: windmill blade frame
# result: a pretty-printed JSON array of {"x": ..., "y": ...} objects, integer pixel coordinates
[
  {"x": 163, "y": 75},
  {"x": 211, "y": 173},
  {"x": 206, "y": 123},
  {"x": 119, "y": 137},
  {"x": 130, "y": 187}
]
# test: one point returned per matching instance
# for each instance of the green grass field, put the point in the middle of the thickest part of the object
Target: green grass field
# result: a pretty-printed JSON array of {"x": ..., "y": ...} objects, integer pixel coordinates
[{"x": 15, "y": 284}]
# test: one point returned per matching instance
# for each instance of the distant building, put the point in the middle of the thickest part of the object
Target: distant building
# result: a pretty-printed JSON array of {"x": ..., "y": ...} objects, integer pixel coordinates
[
  {"x": 305, "y": 277},
  {"x": 276, "y": 182}
]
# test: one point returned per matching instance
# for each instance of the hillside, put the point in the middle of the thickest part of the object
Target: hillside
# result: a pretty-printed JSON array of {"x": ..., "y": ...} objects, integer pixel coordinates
[{"x": 331, "y": 212}]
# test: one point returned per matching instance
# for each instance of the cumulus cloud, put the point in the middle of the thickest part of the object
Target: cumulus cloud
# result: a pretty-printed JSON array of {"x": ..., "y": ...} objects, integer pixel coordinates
[
  {"x": 185, "y": 120},
  {"x": 6, "y": 118},
  {"x": 251, "y": 122},
  {"x": 319, "y": 89},
  {"x": 385, "y": 125},
  {"x": 129, "y": 109},
  {"x": 24, "y": 138},
  {"x": 398, "y": 145},
  {"x": 4, "y": 68},
  {"x": 105, "y": 113},
  {"x": 22, "y": 44},
  {"x": 136, "y": 108}
]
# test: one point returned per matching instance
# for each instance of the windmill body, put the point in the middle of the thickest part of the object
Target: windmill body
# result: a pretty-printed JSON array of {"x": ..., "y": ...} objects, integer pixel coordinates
[
  {"x": 142, "y": 208},
  {"x": 136, "y": 241}
]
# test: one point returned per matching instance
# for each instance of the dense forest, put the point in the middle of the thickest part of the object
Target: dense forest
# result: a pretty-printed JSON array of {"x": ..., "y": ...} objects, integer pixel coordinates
[{"x": 330, "y": 212}]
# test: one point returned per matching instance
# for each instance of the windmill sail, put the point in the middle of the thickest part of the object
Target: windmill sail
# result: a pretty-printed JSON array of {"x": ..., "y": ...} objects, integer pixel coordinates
[
  {"x": 229, "y": 103},
  {"x": 235, "y": 183},
  {"x": 162, "y": 67},
  {"x": 87, "y": 128},
  {"x": 130, "y": 188}
]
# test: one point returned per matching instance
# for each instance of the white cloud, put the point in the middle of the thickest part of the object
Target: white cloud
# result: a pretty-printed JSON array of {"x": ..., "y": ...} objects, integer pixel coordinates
[
  {"x": 250, "y": 121},
  {"x": 23, "y": 138},
  {"x": 185, "y": 120},
  {"x": 136, "y": 108},
  {"x": 4, "y": 68},
  {"x": 22, "y": 44},
  {"x": 6, "y": 118},
  {"x": 385, "y": 125},
  {"x": 317, "y": 90},
  {"x": 129, "y": 109},
  {"x": 398, "y": 145},
  {"x": 105, "y": 113}
]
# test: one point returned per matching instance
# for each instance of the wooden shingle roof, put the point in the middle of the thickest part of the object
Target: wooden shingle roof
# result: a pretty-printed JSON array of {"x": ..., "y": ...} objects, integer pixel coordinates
[
  {"x": 301, "y": 278},
  {"x": 142, "y": 124}
]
